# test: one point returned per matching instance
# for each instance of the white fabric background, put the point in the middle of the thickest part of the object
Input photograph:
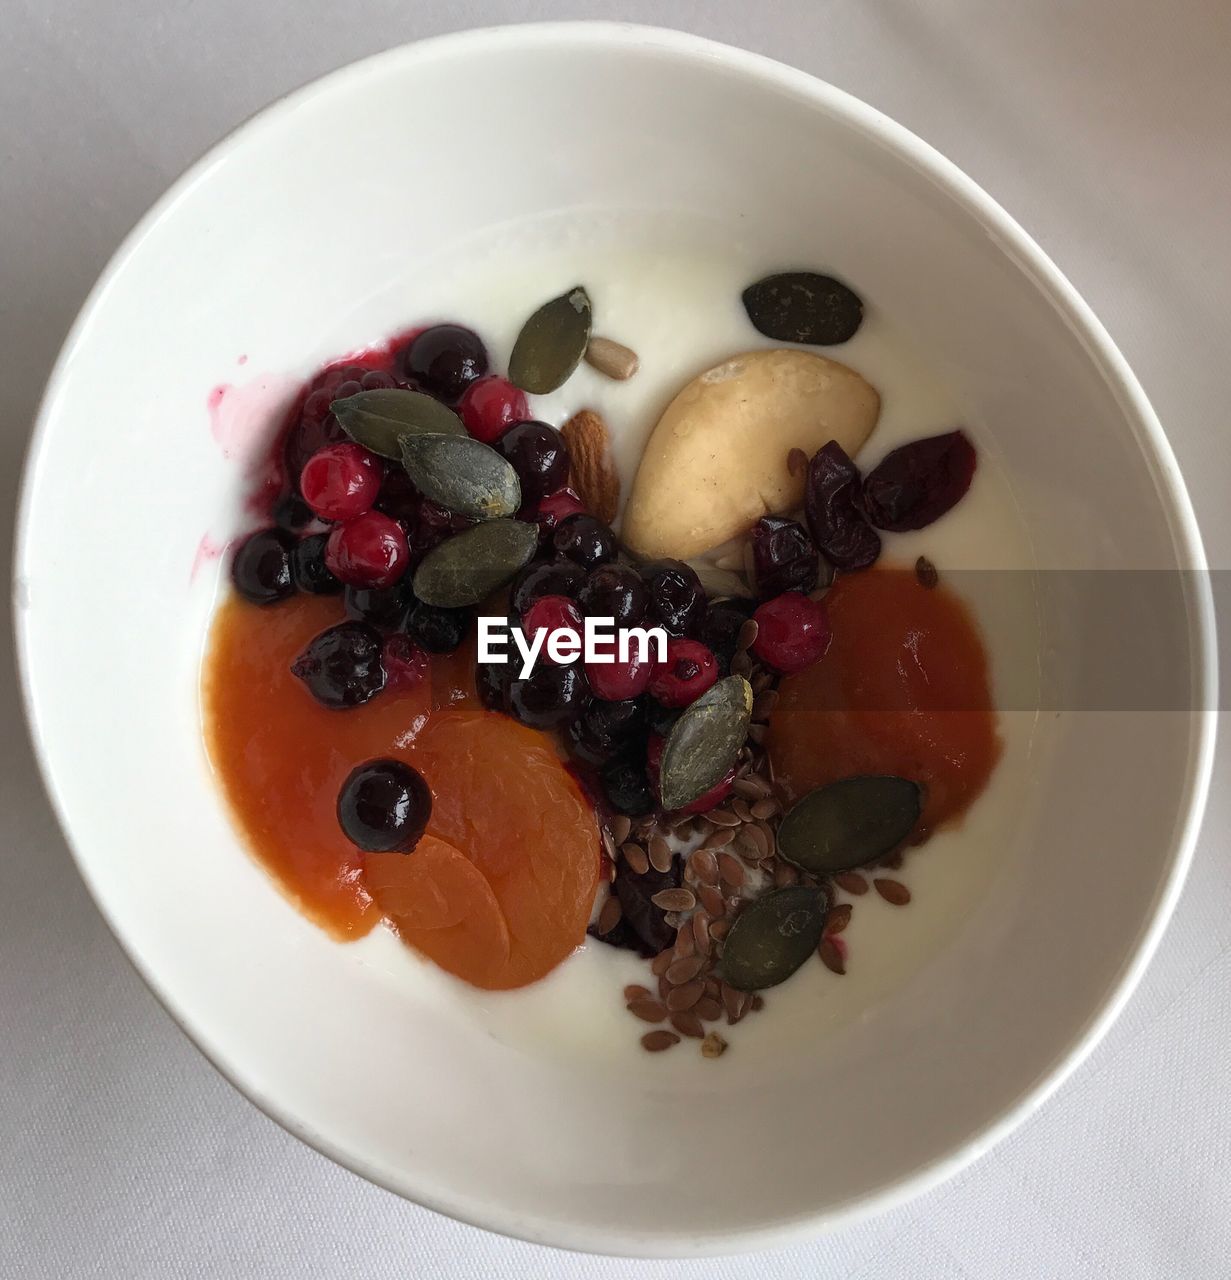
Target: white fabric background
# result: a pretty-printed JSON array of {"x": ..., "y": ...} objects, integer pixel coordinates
[{"x": 1105, "y": 127}]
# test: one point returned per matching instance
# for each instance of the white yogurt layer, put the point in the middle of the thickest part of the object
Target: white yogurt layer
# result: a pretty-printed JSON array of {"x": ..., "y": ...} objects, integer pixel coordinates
[{"x": 675, "y": 299}]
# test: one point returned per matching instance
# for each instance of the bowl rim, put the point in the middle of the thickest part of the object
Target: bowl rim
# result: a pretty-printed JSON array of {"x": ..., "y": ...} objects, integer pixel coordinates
[{"x": 873, "y": 125}]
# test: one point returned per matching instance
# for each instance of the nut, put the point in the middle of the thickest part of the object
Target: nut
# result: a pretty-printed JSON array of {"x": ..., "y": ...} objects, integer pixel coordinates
[{"x": 593, "y": 473}]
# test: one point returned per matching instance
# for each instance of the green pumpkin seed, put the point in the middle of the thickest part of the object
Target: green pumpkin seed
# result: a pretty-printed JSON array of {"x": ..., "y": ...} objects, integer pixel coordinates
[
  {"x": 704, "y": 742},
  {"x": 849, "y": 823},
  {"x": 379, "y": 419},
  {"x": 468, "y": 567},
  {"x": 772, "y": 936},
  {"x": 551, "y": 343},
  {"x": 463, "y": 474}
]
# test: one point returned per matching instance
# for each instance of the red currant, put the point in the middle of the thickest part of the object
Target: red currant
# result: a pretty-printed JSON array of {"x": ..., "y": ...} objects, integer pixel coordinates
[
  {"x": 615, "y": 681},
  {"x": 690, "y": 668},
  {"x": 792, "y": 632},
  {"x": 551, "y": 614},
  {"x": 341, "y": 481},
  {"x": 368, "y": 551},
  {"x": 490, "y": 406}
]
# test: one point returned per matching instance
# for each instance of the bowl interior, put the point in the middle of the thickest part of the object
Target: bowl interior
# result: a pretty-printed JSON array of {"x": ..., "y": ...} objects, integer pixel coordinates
[{"x": 304, "y": 236}]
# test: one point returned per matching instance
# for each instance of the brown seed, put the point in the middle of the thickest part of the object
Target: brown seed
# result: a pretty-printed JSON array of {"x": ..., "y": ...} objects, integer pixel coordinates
[
  {"x": 709, "y": 1009},
  {"x": 747, "y": 636},
  {"x": 672, "y": 919},
  {"x": 721, "y": 838},
  {"x": 763, "y": 704},
  {"x": 700, "y": 925},
  {"x": 610, "y": 915},
  {"x": 711, "y": 899},
  {"x": 761, "y": 681},
  {"x": 686, "y": 996},
  {"x": 893, "y": 862},
  {"x": 838, "y": 918},
  {"x": 741, "y": 810},
  {"x": 731, "y": 870},
  {"x": 796, "y": 461},
  {"x": 756, "y": 1003},
  {"x": 685, "y": 970},
  {"x": 664, "y": 987},
  {"x": 609, "y": 847},
  {"x": 785, "y": 875},
  {"x": 684, "y": 828},
  {"x": 756, "y": 733},
  {"x": 658, "y": 966},
  {"x": 713, "y": 1046},
  {"x": 925, "y": 572},
  {"x": 831, "y": 956},
  {"x": 713, "y": 986},
  {"x": 751, "y": 787},
  {"x": 648, "y": 1010},
  {"x": 612, "y": 359},
  {"x": 620, "y": 826},
  {"x": 635, "y": 991},
  {"x": 719, "y": 929},
  {"x": 685, "y": 945},
  {"x": 722, "y": 818},
  {"x": 893, "y": 891},
  {"x": 660, "y": 853},
  {"x": 687, "y": 1023},
  {"x": 851, "y": 882},
  {"x": 657, "y": 1041},
  {"x": 704, "y": 864},
  {"x": 734, "y": 1002},
  {"x": 755, "y": 837},
  {"x": 766, "y": 833},
  {"x": 636, "y": 857},
  {"x": 675, "y": 899},
  {"x": 741, "y": 664},
  {"x": 765, "y": 809}
]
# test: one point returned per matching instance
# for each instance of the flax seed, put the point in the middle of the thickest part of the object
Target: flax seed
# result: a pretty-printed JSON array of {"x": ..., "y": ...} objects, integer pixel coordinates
[
  {"x": 708, "y": 1009},
  {"x": 765, "y": 809},
  {"x": 687, "y": 1023},
  {"x": 747, "y": 636},
  {"x": 705, "y": 866},
  {"x": 722, "y": 818},
  {"x": 685, "y": 970},
  {"x": 837, "y": 919},
  {"x": 851, "y": 882},
  {"x": 711, "y": 900},
  {"x": 660, "y": 854},
  {"x": 685, "y": 945},
  {"x": 721, "y": 838},
  {"x": 636, "y": 857},
  {"x": 831, "y": 956},
  {"x": 731, "y": 870},
  {"x": 658, "y": 966},
  {"x": 684, "y": 997},
  {"x": 635, "y": 991},
  {"x": 657, "y": 1041},
  {"x": 675, "y": 899},
  {"x": 763, "y": 705},
  {"x": 893, "y": 891},
  {"x": 610, "y": 915},
  {"x": 648, "y": 1010}
]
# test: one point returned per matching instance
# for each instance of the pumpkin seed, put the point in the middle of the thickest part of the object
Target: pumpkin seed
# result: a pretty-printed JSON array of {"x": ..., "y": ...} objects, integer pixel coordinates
[
  {"x": 772, "y": 937},
  {"x": 704, "y": 742},
  {"x": 379, "y": 419},
  {"x": 551, "y": 343},
  {"x": 849, "y": 823},
  {"x": 802, "y": 306},
  {"x": 461, "y": 473},
  {"x": 469, "y": 566}
]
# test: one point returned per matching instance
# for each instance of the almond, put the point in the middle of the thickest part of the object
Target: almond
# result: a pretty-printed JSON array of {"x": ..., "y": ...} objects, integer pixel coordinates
[{"x": 594, "y": 474}]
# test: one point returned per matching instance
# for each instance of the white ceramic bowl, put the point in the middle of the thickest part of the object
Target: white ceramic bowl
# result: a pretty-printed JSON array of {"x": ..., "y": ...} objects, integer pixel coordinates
[{"x": 300, "y": 235}]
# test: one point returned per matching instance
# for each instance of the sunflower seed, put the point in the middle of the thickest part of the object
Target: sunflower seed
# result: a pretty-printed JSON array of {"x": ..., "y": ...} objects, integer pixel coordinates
[
  {"x": 893, "y": 891},
  {"x": 657, "y": 1041},
  {"x": 648, "y": 1010},
  {"x": 674, "y": 899},
  {"x": 636, "y": 857},
  {"x": 684, "y": 997},
  {"x": 610, "y": 915},
  {"x": 660, "y": 853},
  {"x": 713, "y": 1046},
  {"x": 612, "y": 359},
  {"x": 685, "y": 970}
]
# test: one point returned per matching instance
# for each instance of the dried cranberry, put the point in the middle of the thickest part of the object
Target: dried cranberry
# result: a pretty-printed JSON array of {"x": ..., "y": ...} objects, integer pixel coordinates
[
  {"x": 584, "y": 539},
  {"x": 677, "y": 598},
  {"x": 792, "y": 632},
  {"x": 917, "y": 483},
  {"x": 689, "y": 669},
  {"x": 540, "y": 457},
  {"x": 832, "y": 509},
  {"x": 614, "y": 591},
  {"x": 552, "y": 614},
  {"x": 368, "y": 551},
  {"x": 341, "y": 481},
  {"x": 490, "y": 406},
  {"x": 444, "y": 360},
  {"x": 555, "y": 578},
  {"x": 783, "y": 557},
  {"x": 406, "y": 665}
]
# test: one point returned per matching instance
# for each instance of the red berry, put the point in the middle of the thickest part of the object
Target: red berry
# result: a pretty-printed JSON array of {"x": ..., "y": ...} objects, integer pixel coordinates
[
  {"x": 490, "y": 406},
  {"x": 556, "y": 507},
  {"x": 551, "y": 614},
  {"x": 405, "y": 663},
  {"x": 615, "y": 681},
  {"x": 710, "y": 800},
  {"x": 689, "y": 669},
  {"x": 368, "y": 551},
  {"x": 341, "y": 481},
  {"x": 792, "y": 632}
]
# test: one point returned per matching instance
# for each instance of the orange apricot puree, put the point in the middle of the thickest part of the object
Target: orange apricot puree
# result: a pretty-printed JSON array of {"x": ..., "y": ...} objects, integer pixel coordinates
[
  {"x": 500, "y": 889},
  {"x": 903, "y": 689}
]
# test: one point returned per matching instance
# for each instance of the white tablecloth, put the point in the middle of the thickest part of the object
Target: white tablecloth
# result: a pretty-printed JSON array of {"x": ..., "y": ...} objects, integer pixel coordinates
[{"x": 1105, "y": 127}]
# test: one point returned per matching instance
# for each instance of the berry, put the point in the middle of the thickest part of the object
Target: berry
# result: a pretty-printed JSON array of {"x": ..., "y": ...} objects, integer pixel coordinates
[
  {"x": 618, "y": 680},
  {"x": 341, "y": 667},
  {"x": 438, "y": 630},
  {"x": 341, "y": 481},
  {"x": 384, "y": 806},
  {"x": 554, "y": 508},
  {"x": 405, "y": 663},
  {"x": 917, "y": 483},
  {"x": 399, "y": 499},
  {"x": 626, "y": 786},
  {"x": 548, "y": 697},
  {"x": 368, "y": 551},
  {"x": 385, "y": 608},
  {"x": 444, "y": 360},
  {"x": 604, "y": 728},
  {"x": 292, "y": 513},
  {"x": 556, "y": 578},
  {"x": 783, "y": 557},
  {"x": 584, "y": 539},
  {"x": 614, "y": 591},
  {"x": 551, "y": 614},
  {"x": 315, "y": 428},
  {"x": 792, "y": 632},
  {"x": 261, "y": 570},
  {"x": 489, "y": 407},
  {"x": 690, "y": 668},
  {"x": 539, "y": 455},
  {"x": 309, "y": 568},
  {"x": 677, "y": 598},
  {"x": 661, "y": 720},
  {"x": 379, "y": 380},
  {"x": 720, "y": 631},
  {"x": 833, "y": 507}
]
